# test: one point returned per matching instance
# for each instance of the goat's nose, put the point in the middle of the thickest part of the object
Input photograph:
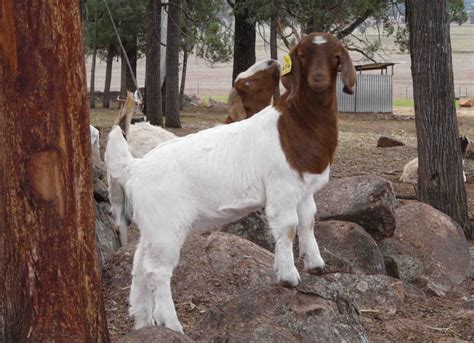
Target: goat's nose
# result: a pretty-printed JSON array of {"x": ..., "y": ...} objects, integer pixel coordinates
[{"x": 318, "y": 77}]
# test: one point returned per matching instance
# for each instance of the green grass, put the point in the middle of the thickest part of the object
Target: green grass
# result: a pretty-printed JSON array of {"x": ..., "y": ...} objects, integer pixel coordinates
[
  {"x": 411, "y": 103},
  {"x": 218, "y": 98},
  {"x": 403, "y": 102}
]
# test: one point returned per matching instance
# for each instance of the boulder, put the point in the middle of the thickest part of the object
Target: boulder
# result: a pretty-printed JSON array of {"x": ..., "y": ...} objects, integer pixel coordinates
[
  {"x": 233, "y": 288},
  {"x": 387, "y": 142},
  {"x": 348, "y": 248},
  {"x": 225, "y": 289},
  {"x": 367, "y": 200},
  {"x": 428, "y": 249},
  {"x": 371, "y": 292},
  {"x": 345, "y": 247},
  {"x": 155, "y": 334}
]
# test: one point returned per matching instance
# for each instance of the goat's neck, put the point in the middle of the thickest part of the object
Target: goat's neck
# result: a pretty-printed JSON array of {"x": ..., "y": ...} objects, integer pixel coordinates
[{"x": 308, "y": 130}]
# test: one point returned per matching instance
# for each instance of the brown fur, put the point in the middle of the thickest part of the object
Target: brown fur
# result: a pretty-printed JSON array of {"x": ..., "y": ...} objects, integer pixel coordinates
[
  {"x": 308, "y": 124},
  {"x": 252, "y": 94},
  {"x": 124, "y": 117}
]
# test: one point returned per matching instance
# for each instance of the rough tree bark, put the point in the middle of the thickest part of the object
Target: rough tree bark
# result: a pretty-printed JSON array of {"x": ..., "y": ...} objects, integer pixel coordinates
[
  {"x": 108, "y": 76},
  {"x": 274, "y": 51},
  {"x": 152, "y": 77},
  {"x": 440, "y": 180},
  {"x": 50, "y": 288},
  {"x": 172, "y": 65},
  {"x": 244, "y": 39}
]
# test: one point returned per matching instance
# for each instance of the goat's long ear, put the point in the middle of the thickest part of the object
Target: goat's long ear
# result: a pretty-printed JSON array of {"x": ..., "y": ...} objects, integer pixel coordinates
[
  {"x": 236, "y": 107},
  {"x": 348, "y": 73},
  {"x": 292, "y": 80}
]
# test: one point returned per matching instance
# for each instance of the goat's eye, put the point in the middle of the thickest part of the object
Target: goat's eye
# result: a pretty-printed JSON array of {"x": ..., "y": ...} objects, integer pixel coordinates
[{"x": 301, "y": 55}]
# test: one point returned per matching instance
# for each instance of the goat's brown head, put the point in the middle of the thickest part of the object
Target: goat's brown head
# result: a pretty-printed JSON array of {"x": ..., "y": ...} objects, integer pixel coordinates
[
  {"x": 315, "y": 63},
  {"x": 253, "y": 90}
]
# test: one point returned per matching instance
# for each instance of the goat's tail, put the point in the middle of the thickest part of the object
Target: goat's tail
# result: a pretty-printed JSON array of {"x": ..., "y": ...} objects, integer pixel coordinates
[
  {"x": 124, "y": 117},
  {"x": 117, "y": 157}
]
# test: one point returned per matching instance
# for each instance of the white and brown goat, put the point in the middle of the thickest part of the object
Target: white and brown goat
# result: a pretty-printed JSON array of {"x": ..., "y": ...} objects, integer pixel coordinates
[{"x": 212, "y": 177}]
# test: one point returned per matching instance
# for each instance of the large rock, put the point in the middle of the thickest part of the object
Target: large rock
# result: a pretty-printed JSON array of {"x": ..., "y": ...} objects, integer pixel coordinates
[
  {"x": 345, "y": 247},
  {"x": 428, "y": 249},
  {"x": 233, "y": 288},
  {"x": 371, "y": 292},
  {"x": 225, "y": 290},
  {"x": 154, "y": 335},
  {"x": 367, "y": 200}
]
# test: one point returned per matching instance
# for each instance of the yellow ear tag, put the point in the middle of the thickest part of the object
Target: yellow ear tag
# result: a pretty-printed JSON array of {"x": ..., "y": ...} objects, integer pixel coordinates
[{"x": 286, "y": 68}]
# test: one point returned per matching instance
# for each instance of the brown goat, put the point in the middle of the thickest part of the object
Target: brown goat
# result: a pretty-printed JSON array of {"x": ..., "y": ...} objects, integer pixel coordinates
[
  {"x": 308, "y": 124},
  {"x": 253, "y": 90}
]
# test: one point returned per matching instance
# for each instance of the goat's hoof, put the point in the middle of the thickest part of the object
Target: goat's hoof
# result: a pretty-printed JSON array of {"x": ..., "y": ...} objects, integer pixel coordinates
[
  {"x": 290, "y": 279},
  {"x": 316, "y": 270}
]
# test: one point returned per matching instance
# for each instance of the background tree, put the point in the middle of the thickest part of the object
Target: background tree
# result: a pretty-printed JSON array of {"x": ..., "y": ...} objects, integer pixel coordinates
[
  {"x": 245, "y": 35},
  {"x": 204, "y": 31},
  {"x": 50, "y": 288},
  {"x": 153, "y": 57},
  {"x": 440, "y": 180},
  {"x": 172, "y": 65}
]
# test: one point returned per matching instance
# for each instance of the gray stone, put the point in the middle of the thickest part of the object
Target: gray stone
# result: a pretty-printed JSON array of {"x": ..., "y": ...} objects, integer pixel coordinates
[
  {"x": 388, "y": 142},
  {"x": 367, "y": 200},
  {"x": 154, "y": 335},
  {"x": 371, "y": 292},
  {"x": 428, "y": 249}
]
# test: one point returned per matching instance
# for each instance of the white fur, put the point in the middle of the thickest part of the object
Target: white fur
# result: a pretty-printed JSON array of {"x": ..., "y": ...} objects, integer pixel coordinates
[
  {"x": 259, "y": 66},
  {"x": 410, "y": 172},
  {"x": 144, "y": 137},
  {"x": 95, "y": 139},
  {"x": 205, "y": 180},
  {"x": 319, "y": 40}
]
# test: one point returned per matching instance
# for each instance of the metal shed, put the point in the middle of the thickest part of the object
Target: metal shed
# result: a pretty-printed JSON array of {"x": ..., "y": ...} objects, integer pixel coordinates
[{"x": 373, "y": 92}]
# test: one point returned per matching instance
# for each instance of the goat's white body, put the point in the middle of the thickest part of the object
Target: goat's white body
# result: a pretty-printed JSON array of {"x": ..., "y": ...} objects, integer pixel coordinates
[
  {"x": 205, "y": 180},
  {"x": 95, "y": 139},
  {"x": 410, "y": 172}
]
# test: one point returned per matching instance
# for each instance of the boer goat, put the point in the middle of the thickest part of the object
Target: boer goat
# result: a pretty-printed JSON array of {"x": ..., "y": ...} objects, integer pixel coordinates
[
  {"x": 253, "y": 90},
  {"x": 212, "y": 177},
  {"x": 410, "y": 170}
]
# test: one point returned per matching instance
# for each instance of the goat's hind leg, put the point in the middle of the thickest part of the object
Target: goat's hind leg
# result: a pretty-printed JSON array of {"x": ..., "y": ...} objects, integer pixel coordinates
[
  {"x": 141, "y": 296},
  {"x": 160, "y": 258},
  {"x": 309, "y": 250}
]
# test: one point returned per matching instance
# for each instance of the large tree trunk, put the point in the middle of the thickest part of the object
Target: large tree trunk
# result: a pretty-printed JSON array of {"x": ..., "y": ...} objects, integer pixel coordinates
[
  {"x": 172, "y": 65},
  {"x": 440, "y": 180},
  {"x": 244, "y": 39},
  {"x": 50, "y": 288},
  {"x": 152, "y": 77},
  {"x": 108, "y": 76},
  {"x": 274, "y": 52}
]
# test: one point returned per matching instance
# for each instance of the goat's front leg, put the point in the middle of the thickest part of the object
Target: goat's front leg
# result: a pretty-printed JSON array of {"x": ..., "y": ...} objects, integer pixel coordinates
[
  {"x": 283, "y": 223},
  {"x": 309, "y": 250}
]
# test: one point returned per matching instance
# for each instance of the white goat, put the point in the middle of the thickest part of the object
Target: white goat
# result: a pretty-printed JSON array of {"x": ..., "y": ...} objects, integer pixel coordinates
[{"x": 277, "y": 159}]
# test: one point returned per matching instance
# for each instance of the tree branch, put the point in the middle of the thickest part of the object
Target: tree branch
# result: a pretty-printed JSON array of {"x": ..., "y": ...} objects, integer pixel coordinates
[{"x": 348, "y": 30}]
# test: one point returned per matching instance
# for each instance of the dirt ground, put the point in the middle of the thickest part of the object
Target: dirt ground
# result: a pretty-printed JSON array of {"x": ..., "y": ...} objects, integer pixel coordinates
[{"x": 424, "y": 318}]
